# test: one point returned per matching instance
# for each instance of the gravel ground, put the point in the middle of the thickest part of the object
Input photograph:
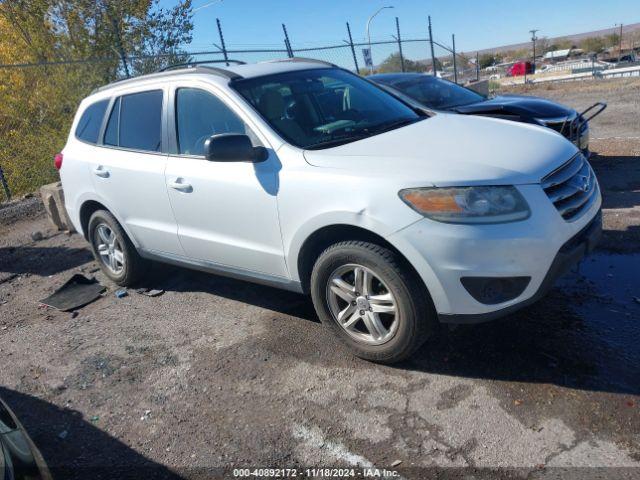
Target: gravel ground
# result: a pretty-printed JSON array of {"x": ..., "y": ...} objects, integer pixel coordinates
[{"x": 219, "y": 373}]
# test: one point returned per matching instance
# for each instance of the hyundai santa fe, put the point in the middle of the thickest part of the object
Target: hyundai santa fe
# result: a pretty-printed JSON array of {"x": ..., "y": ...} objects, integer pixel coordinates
[{"x": 304, "y": 176}]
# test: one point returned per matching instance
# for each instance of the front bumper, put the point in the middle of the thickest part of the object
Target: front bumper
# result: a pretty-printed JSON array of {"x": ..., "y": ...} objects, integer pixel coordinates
[
  {"x": 569, "y": 255},
  {"x": 538, "y": 248}
]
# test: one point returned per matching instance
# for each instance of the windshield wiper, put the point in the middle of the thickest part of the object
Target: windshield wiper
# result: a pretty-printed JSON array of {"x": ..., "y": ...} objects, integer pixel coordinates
[
  {"x": 364, "y": 133},
  {"x": 334, "y": 142},
  {"x": 385, "y": 127}
]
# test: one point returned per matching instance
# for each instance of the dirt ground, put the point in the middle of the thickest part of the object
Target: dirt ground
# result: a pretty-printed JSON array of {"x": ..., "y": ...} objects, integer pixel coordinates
[{"x": 217, "y": 373}]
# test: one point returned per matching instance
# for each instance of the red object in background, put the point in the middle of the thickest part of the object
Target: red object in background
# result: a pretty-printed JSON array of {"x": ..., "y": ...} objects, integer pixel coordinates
[
  {"x": 521, "y": 68},
  {"x": 57, "y": 161}
]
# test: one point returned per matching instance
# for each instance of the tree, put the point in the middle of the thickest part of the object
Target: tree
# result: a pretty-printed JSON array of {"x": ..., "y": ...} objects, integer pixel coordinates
[
  {"x": 393, "y": 64},
  {"x": 593, "y": 44},
  {"x": 462, "y": 61},
  {"x": 127, "y": 28},
  {"x": 37, "y": 103},
  {"x": 489, "y": 59},
  {"x": 103, "y": 29},
  {"x": 542, "y": 46},
  {"x": 162, "y": 36},
  {"x": 560, "y": 44},
  {"x": 612, "y": 40},
  {"x": 31, "y": 118}
]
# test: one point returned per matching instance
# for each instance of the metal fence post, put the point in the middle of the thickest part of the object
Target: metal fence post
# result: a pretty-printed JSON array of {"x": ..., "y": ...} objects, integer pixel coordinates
[
  {"x": 455, "y": 64},
  {"x": 287, "y": 42},
  {"x": 5, "y": 185},
  {"x": 224, "y": 48},
  {"x": 353, "y": 49},
  {"x": 123, "y": 56},
  {"x": 433, "y": 56},
  {"x": 400, "y": 44}
]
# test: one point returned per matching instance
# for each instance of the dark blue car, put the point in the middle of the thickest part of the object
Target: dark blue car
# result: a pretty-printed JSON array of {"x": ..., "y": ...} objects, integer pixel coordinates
[{"x": 439, "y": 94}]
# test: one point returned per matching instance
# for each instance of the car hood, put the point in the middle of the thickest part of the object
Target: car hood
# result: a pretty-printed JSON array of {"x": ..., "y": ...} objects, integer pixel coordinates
[
  {"x": 448, "y": 149},
  {"x": 532, "y": 107}
]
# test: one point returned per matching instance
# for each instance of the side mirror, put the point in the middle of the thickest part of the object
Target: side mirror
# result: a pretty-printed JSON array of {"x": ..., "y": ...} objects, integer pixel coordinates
[{"x": 233, "y": 147}]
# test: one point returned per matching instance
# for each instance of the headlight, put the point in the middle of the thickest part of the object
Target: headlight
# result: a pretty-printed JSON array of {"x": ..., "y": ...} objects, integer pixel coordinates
[{"x": 468, "y": 204}]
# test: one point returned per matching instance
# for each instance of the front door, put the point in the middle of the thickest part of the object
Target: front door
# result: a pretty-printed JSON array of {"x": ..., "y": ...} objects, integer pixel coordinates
[{"x": 226, "y": 212}]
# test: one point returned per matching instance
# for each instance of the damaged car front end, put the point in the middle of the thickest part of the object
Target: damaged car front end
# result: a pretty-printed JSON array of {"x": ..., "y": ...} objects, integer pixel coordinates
[{"x": 442, "y": 95}]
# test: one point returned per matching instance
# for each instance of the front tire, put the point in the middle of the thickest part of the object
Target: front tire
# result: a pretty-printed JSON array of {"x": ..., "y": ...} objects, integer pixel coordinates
[
  {"x": 114, "y": 252},
  {"x": 372, "y": 300}
]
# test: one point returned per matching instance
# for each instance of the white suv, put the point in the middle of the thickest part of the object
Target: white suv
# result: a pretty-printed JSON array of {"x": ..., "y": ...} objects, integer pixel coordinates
[{"x": 304, "y": 176}]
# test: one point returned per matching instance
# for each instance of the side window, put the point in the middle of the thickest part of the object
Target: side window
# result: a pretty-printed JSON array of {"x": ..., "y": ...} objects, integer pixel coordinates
[
  {"x": 89, "y": 125},
  {"x": 199, "y": 114},
  {"x": 136, "y": 122}
]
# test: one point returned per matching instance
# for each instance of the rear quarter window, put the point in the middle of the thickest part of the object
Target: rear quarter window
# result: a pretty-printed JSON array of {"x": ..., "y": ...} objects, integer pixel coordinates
[{"x": 90, "y": 122}]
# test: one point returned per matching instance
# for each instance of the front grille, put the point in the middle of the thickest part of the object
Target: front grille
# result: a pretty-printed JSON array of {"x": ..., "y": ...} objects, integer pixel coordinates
[{"x": 572, "y": 188}]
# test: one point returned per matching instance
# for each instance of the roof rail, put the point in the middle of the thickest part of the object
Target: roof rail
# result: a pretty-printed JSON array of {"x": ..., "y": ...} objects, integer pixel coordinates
[
  {"x": 199, "y": 62},
  {"x": 194, "y": 69},
  {"x": 303, "y": 59}
]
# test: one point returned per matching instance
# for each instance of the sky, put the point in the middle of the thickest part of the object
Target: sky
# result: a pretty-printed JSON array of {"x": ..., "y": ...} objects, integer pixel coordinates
[{"x": 477, "y": 24}]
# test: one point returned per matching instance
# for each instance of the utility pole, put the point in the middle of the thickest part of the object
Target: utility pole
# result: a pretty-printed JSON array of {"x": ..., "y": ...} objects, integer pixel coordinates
[
  {"x": 619, "y": 39},
  {"x": 620, "y": 47},
  {"x": 533, "y": 39}
]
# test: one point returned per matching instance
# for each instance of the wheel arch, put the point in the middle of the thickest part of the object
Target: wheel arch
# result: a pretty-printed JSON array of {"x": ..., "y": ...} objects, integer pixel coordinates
[
  {"x": 325, "y": 236},
  {"x": 91, "y": 205},
  {"x": 86, "y": 210}
]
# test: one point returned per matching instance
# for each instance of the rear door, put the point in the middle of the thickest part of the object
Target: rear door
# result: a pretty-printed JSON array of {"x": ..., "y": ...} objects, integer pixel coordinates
[
  {"x": 128, "y": 169},
  {"x": 227, "y": 212}
]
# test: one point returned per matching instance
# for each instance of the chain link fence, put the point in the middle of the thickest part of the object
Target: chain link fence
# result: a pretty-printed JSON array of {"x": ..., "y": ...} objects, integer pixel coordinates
[
  {"x": 38, "y": 101},
  {"x": 37, "y": 104}
]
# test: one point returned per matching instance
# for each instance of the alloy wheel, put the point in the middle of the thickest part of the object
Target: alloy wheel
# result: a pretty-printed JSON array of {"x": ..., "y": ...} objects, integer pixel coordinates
[
  {"x": 109, "y": 248},
  {"x": 362, "y": 304}
]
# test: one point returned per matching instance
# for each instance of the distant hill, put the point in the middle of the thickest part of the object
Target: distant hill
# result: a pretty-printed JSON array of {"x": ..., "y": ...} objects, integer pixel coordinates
[{"x": 633, "y": 27}]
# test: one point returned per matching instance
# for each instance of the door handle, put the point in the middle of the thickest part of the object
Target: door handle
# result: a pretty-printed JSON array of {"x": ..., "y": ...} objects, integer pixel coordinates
[
  {"x": 100, "y": 171},
  {"x": 181, "y": 186}
]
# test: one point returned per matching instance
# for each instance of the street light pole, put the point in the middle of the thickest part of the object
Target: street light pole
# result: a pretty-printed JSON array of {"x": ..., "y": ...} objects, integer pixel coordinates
[
  {"x": 369, "y": 34},
  {"x": 533, "y": 39}
]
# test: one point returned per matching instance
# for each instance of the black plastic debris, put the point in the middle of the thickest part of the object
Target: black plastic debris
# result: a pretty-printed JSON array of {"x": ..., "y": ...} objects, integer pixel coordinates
[
  {"x": 77, "y": 292},
  {"x": 150, "y": 292}
]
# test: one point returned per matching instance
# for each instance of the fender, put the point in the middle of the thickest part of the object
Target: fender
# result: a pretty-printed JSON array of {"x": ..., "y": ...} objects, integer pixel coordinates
[{"x": 93, "y": 196}]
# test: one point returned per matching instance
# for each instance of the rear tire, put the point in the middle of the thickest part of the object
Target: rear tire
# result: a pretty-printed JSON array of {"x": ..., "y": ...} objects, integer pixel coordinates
[
  {"x": 390, "y": 318},
  {"x": 113, "y": 250}
]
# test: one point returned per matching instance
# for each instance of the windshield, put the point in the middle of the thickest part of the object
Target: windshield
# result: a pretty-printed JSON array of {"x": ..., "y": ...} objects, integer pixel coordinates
[
  {"x": 436, "y": 93},
  {"x": 323, "y": 108}
]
